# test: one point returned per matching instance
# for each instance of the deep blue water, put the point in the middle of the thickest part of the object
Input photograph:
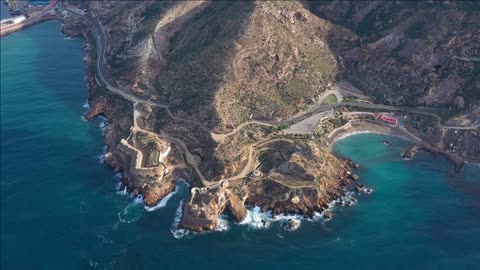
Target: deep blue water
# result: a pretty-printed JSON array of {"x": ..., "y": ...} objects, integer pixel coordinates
[{"x": 60, "y": 208}]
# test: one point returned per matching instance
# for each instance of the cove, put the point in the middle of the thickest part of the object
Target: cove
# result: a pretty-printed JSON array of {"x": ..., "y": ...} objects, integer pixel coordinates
[{"x": 60, "y": 208}]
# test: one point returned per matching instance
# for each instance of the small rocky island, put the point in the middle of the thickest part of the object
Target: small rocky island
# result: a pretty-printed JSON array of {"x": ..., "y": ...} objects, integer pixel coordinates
[{"x": 244, "y": 99}]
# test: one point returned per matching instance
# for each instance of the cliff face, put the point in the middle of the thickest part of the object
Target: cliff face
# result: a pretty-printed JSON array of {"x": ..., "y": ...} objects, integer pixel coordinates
[
  {"x": 301, "y": 181},
  {"x": 241, "y": 58},
  {"x": 269, "y": 59},
  {"x": 223, "y": 64}
]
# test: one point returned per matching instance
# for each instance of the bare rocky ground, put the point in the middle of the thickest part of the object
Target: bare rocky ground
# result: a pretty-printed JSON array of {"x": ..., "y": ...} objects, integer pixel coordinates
[{"x": 220, "y": 64}]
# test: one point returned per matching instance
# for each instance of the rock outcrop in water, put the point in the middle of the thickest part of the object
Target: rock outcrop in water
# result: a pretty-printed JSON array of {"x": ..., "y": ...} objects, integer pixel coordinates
[
  {"x": 227, "y": 143},
  {"x": 205, "y": 207}
]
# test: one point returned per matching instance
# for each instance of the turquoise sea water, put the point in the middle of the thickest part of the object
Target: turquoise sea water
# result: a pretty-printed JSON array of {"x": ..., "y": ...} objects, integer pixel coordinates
[{"x": 60, "y": 208}]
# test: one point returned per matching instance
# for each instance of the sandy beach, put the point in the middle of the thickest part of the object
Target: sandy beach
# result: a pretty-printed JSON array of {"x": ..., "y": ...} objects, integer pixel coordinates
[
  {"x": 366, "y": 126},
  {"x": 356, "y": 127}
]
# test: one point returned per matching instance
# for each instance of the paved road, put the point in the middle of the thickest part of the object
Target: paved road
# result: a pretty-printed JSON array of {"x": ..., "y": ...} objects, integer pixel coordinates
[
  {"x": 327, "y": 93},
  {"x": 420, "y": 110},
  {"x": 308, "y": 125},
  {"x": 314, "y": 113},
  {"x": 103, "y": 76},
  {"x": 100, "y": 65}
]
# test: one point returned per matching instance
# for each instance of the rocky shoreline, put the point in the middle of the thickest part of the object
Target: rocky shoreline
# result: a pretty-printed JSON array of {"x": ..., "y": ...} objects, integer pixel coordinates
[
  {"x": 202, "y": 212},
  {"x": 98, "y": 106},
  {"x": 457, "y": 162},
  {"x": 199, "y": 219}
]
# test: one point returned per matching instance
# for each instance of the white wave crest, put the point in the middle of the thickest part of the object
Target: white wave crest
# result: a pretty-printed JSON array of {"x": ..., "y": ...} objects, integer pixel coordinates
[
  {"x": 103, "y": 124},
  {"x": 223, "y": 225},
  {"x": 257, "y": 219},
  {"x": 179, "y": 233},
  {"x": 162, "y": 203},
  {"x": 138, "y": 199},
  {"x": 101, "y": 158},
  {"x": 122, "y": 192}
]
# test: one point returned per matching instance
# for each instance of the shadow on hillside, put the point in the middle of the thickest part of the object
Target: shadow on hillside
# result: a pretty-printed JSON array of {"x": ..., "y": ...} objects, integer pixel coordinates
[{"x": 200, "y": 53}]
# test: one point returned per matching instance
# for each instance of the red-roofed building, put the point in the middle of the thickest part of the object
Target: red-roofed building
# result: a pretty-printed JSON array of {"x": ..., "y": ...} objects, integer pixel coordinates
[{"x": 388, "y": 119}]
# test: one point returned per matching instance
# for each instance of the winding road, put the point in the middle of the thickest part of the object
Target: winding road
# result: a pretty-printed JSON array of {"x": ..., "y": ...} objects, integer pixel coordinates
[
  {"x": 100, "y": 64},
  {"x": 190, "y": 159},
  {"x": 110, "y": 85}
]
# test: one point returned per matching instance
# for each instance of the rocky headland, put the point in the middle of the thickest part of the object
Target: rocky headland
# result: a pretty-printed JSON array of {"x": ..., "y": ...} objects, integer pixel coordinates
[{"x": 206, "y": 89}]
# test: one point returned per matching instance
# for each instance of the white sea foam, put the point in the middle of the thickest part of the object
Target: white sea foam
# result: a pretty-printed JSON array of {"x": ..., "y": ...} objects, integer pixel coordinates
[
  {"x": 256, "y": 219},
  {"x": 223, "y": 225},
  {"x": 162, "y": 203},
  {"x": 103, "y": 125},
  {"x": 123, "y": 192},
  {"x": 179, "y": 233},
  {"x": 367, "y": 190},
  {"x": 101, "y": 157},
  {"x": 130, "y": 213},
  {"x": 138, "y": 199},
  {"x": 86, "y": 105}
]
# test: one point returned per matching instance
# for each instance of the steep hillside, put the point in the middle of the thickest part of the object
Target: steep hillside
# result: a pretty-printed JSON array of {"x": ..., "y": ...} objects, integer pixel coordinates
[
  {"x": 221, "y": 62},
  {"x": 411, "y": 52},
  {"x": 223, "y": 67}
]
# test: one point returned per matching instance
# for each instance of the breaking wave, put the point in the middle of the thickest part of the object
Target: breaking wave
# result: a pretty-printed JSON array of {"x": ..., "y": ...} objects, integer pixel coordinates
[
  {"x": 101, "y": 158},
  {"x": 223, "y": 225},
  {"x": 256, "y": 219},
  {"x": 122, "y": 192},
  {"x": 103, "y": 124},
  {"x": 179, "y": 233},
  {"x": 162, "y": 203}
]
